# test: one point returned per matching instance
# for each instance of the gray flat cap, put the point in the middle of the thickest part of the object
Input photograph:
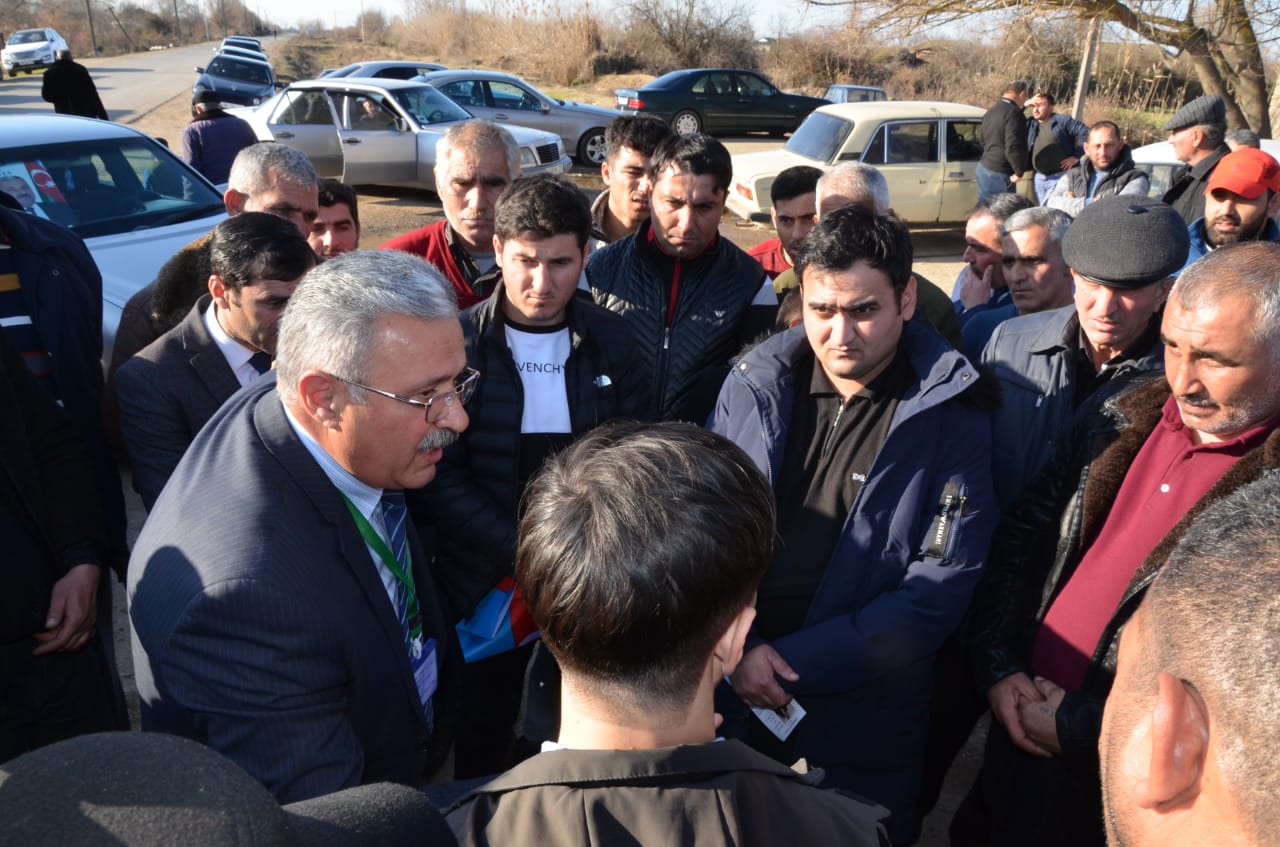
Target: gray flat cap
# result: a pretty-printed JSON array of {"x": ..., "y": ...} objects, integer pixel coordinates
[
  {"x": 1126, "y": 242},
  {"x": 1206, "y": 109}
]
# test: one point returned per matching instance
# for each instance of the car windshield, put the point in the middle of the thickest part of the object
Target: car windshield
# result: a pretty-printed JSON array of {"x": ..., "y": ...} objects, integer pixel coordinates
[
  {"x": 28, "y": 36},
  {"x": 819, "y": 137},
  {"x": 429, "y": 105},
  {"x": 105, "y": 186},
  {"x": 229, "y": 68}
]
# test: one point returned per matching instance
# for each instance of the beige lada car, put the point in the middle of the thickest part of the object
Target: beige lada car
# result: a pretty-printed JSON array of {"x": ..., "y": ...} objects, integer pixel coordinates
[{"x": 927, "y": 151}]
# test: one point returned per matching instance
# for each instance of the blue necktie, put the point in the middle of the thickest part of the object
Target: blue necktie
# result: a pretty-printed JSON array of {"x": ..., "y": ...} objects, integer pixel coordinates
[{"x": 395, "y": 515}]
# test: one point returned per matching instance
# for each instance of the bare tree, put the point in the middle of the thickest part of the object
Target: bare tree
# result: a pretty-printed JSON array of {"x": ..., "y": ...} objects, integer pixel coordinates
[
  {"x": 695, "y": 31},
  {"x": 1217, "y": 36}
]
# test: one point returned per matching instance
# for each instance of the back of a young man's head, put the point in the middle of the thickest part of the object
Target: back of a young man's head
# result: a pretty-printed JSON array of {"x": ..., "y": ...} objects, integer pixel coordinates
[
  {"x": 697, "y": 155},
  {"x": 639, "y": 547},
  {"x": 539, "y": 207}
]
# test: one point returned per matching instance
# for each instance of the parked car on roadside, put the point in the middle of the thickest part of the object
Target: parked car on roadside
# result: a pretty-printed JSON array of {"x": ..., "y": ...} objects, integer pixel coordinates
[
  {"x": 243, "y": 41},
  {"x": 1160, "y": 164},
  {"x": 380, "y": 132},
  {"x": 382, "y": 70},
  {"x": 133, "y": 201},
  {"x": 245, "y": 82},
  {"x": 242, "y": 52},
  {"x": 508, "y": 99},
  {"x": 927, "y": 151},
  {"x": 30, "y": 49},
  {"x": 718, "y": 100},
  {"x": 841, "y": 93}
]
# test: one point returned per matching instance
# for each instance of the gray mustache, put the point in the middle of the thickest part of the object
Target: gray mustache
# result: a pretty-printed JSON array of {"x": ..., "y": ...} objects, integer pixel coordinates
[{"x": 441, "y": 439}]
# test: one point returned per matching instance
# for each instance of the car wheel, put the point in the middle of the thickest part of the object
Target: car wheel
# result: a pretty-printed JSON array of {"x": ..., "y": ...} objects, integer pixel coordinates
[
  {"x": 591, "y": 147},
  {"x": 686, "y": 123}
]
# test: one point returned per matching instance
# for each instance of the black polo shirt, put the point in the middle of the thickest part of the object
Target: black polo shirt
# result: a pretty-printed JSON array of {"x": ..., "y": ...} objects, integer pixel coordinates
[{"x": 831, "y": 446}]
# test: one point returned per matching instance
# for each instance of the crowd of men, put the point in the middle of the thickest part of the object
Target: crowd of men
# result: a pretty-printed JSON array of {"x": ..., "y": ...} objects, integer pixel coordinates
[{"x": 553, "y": 506}]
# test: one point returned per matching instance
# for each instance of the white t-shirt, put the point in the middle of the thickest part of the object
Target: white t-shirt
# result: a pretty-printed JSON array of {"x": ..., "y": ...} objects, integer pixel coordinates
[{"x": 540, "y": 358}]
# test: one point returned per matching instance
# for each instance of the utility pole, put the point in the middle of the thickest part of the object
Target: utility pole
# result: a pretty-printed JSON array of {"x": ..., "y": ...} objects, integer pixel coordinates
[
  {"x": 93, "y": 39},
  {"x": 362, "y": 21},
  {"x": 1086, "y": 67},
  {"x": 177, "y": 25}
]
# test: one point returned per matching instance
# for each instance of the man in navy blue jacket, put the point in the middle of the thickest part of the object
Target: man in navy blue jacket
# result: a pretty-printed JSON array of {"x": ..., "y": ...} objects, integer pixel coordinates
[{"x": 866, "y": 423}]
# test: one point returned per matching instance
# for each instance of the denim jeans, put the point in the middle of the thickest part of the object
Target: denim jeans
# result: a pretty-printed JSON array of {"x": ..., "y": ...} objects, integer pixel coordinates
[{"x": 992, "y": 182}]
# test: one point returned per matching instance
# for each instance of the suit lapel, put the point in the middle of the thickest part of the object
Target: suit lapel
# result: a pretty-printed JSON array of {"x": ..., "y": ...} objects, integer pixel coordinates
[
  {"x": 206, "y": 359},
  {"x": 283, "y": 443}
]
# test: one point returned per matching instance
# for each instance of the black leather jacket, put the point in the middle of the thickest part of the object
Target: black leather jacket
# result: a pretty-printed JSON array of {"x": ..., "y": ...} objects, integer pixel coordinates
[
  {"x": 687, "y": 357},
  {"x": 475, "y": 496},
  {"x": 1042, "y": 539}
]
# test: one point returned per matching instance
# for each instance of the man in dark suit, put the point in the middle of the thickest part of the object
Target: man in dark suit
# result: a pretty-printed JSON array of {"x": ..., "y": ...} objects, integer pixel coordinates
[
  {"x": 283, "y": 610},
  {"x": 170, "y": 389},
  {"x": 55, "y": 678}
]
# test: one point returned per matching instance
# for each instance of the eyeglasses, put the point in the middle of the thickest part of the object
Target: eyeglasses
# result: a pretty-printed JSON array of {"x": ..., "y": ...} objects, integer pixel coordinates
[{"x": 463, "y": 388}]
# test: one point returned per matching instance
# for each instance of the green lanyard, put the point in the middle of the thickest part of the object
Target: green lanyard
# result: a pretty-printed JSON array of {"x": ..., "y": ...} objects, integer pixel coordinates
[{"x": 374, "y": 540}]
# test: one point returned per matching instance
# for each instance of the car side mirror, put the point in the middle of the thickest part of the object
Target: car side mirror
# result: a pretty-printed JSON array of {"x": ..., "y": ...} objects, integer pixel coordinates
[
  {"x": 546, "y": 110},
  {"x": 199, "y": 70},
  {"x": 402, "y": 125}
]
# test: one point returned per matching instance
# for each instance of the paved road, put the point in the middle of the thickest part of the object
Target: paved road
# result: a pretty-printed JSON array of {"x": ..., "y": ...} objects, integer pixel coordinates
[{"x": 131, "y": 86}]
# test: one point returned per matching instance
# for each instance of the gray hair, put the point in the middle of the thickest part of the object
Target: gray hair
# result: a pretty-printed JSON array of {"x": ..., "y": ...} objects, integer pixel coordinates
[
  {"x": 1054, "y": 221},
  {"x": 330, "y": 322},
  {"x": 1238, "y": 138},
  {"x": 257, "y": 166},
  {"x": 1215, "y": 624},
  {"x": 856, "y": 180},
  {"x": 476, "y": 137},
  {"x": 1250, "y": 269}
]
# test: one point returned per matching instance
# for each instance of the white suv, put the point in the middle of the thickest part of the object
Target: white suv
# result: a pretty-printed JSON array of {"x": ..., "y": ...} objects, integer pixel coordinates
[{"x": 29, "y": 49}]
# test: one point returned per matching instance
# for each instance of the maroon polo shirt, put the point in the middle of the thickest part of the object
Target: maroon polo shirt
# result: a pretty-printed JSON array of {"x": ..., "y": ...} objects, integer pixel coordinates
[{"x": 1168, "y": 476}]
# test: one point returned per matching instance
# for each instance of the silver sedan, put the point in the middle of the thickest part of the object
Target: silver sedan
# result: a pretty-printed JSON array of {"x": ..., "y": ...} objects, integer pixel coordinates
[
  {"x": 508, "y": 99},
  {"x": 380, "y": 132}
]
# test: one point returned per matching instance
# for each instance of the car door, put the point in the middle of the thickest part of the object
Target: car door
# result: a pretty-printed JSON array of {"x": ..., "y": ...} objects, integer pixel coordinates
[
  {"x": 906, "y": 152},
  {"x": 715, "y": 95},
  {"x": 760, "y": 106},
  {"x": 379, "y": 146},
  {"x": 304, "y": 120},
  {"x": 515, "y": 104},
  {"x": 963, "y": 149}
]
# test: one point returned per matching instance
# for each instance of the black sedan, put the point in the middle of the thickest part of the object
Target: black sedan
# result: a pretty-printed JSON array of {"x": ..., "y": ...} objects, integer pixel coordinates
[{"x": 718, "y": 100}]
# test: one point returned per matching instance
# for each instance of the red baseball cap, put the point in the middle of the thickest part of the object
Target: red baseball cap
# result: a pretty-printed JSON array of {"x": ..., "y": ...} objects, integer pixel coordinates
[{"x": 1247, "y": 172}]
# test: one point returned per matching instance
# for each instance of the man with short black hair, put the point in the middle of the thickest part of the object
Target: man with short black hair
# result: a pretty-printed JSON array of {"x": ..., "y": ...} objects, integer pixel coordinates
[
  {"x": 1055, "y": 142},
  {"x": 1107, "y": 170},
  {"x": 556, "y": 365},
  {"x": 619, "y": 210},
  {"x": 1191, "y": 729},
  {"x": 794, "y": 210},
  {"x": 336, "y": 229},
  {"x": 877, "y": 444},
  {"x": 475, "y": 162},
  {"x": 677, "y": 521},
  {"x": 1197, "y": 133},
  {"x": 692, "y": 298},
  {"x": 1004, "y": 141},
  {"x": 1073, "y": 559},
  {"x": 170, "y": 389},
  {"x": 1241, "y": 199}
]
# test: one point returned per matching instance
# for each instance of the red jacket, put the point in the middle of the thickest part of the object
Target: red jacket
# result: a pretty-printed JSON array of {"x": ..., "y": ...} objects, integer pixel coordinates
[{"x": 432, "y": 242}]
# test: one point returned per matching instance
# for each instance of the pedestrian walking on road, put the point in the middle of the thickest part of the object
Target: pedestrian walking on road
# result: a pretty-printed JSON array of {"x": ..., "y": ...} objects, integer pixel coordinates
[{"x": 68, "y": 86}]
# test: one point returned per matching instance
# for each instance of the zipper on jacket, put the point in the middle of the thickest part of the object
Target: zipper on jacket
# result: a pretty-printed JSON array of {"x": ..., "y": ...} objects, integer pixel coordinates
[{"x": 831, "y": 432}]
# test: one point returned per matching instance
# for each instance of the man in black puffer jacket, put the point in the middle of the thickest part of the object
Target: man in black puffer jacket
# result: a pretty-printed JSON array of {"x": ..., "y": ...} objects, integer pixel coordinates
[
  {"x": 1106, "y": 170},
  {"x": 691, "y": 298},
  {"x": 554, "y": 365}
]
